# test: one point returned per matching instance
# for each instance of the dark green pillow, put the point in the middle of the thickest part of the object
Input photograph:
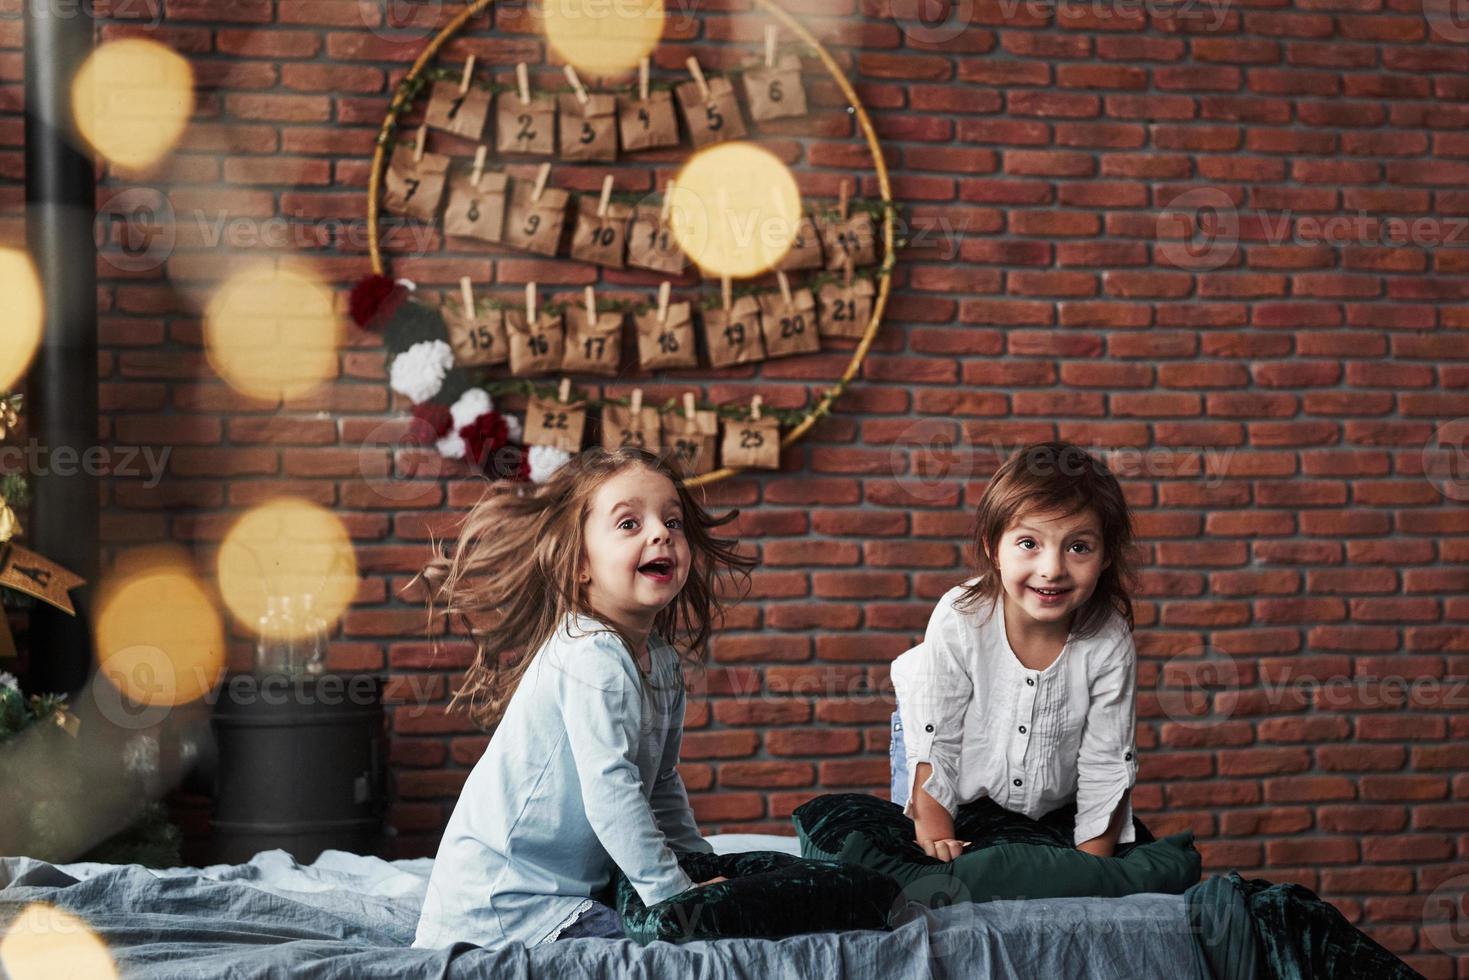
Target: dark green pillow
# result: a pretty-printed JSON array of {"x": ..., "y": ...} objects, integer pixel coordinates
[
  {"x": 1013, "y": 857},
  {"x": 769, "y": 895}
]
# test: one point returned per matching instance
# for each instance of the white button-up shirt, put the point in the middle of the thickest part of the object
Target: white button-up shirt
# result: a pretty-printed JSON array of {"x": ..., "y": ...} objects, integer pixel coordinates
[{"x": 1031, "y": 740}]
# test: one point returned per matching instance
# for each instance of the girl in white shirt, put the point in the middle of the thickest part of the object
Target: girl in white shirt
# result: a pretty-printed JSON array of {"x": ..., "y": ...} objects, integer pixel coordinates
[{"x": 1022, "y": 690}]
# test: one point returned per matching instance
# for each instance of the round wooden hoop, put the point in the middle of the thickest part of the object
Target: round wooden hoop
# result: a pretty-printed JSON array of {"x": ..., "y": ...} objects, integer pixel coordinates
[{"x": 879, "y": 305}]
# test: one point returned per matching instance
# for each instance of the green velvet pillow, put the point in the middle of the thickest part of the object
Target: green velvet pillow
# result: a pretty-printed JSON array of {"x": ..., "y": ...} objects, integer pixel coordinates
[
  {"x": 769, "y": 895},
  {"x": 1013, "y": 857}
]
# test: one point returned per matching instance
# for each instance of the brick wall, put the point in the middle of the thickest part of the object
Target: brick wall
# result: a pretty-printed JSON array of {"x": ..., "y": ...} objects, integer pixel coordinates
[{"x": 1267, "y": 404}]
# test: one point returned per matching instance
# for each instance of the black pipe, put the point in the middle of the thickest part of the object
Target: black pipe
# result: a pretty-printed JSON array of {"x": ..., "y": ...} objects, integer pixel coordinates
[{"x": 60, "y": 194}]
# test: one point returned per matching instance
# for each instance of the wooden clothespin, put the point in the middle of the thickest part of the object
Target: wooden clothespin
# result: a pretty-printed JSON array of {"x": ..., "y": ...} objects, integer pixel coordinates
[
  {"x": 563, "y": 394},
  {"x": 466, "y": 292},
  {"x": 785, "y": 291},
  {"x": 847, "y": 265},
  {"x": 726, "y": 289},
  {"x": 636, "y": 406},
  {"x": 688, "y": 405},
  {"x": 665, "y": 290},
  {"x": 606, "y": 198},
  {"x": 522, "y": 82},
  {"x": 643, "y": 79},
  {"x": 576, "y": 85},
  {"x": 842, "y": 200},
  {"x": 589, "y": 299},
  {"x": 464, "y": 78},
  {"x": 769, "y": 45},
  {"x": 479, "y": 166},
  {"x": 667, "y": 200},
  {"x": 698, "y": 74},
  {"x": 755, "y": 408},
  {"x": 542, "y": 176},
  {"x": 530, "y": 303},
  {"x": 421, "y": 144}
]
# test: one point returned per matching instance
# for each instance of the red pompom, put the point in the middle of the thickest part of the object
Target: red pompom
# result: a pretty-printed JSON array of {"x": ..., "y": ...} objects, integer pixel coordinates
[
  {"x": 522, "y": 471},
  {"x": 431, "y": 422},
  {"x": 374, "y": 299},
  {"x": 483, "y": 440}
]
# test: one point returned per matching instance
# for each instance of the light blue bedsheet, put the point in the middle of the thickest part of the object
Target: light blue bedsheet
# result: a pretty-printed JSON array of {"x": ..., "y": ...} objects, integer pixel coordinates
[{"x": 347, "y": 916}]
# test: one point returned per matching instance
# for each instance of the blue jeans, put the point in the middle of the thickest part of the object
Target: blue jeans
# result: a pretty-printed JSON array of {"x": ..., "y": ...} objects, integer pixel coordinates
[
  {"x": 898, "y": 764},
  {"x": 598, "y": 922}
]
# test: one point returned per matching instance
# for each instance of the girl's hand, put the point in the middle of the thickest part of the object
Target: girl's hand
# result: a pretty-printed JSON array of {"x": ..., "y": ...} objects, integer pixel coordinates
[
  {"x": 945, "y": 849},
  {"x": 711, "y": 881}
]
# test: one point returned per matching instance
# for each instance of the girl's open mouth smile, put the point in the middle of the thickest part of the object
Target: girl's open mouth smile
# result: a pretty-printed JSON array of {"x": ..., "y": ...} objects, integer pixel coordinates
[
  {"x": 659, "y": 570},
  {"x": 1050, "y": 597}
]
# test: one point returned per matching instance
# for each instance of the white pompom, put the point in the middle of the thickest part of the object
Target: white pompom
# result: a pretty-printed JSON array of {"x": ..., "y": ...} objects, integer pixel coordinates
[
  {"x": 546, "y": 460},
  {"x": 451, "y": 446},
  {"x": 470, "y": 406},
  {"x": 513, "y": 428},
  {"x": 418, "y": 372}
]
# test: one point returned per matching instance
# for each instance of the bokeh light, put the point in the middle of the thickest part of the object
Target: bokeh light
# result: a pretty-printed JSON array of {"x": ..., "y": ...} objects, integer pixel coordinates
[
  {"x": 735, "y": 210},
  {"x": 270, "y": 331},
  {"x": 132, "y": 100},
  {"x": 160, "y": 638},
  {"x": 21, "y": 320},
  {"x": 600, "y": 38},
  {"x": 287, "y": 547},
  {"x": 47, "y": 943}
]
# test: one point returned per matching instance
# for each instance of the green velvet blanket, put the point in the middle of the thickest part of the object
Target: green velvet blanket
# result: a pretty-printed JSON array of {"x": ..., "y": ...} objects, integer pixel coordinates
[{"x": 1248, "y": 928}]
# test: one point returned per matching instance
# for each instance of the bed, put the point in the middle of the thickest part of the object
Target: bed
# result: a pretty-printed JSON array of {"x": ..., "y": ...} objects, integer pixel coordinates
[{"x": 351, "y": 916}]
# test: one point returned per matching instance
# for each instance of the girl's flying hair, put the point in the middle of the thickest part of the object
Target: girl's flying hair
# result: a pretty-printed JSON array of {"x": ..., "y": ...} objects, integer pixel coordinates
[
  {"x": 1057, "y": 478},
  {"x": 514, "y": 569}
]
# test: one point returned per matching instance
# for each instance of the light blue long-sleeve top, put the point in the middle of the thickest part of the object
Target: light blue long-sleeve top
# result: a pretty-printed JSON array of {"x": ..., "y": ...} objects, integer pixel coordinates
[{"x": 579, "y": 776}]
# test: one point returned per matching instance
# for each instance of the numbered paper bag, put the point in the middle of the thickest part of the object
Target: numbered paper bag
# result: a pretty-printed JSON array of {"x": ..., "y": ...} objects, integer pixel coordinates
[
  {"x": 588, "y": 131},
  {"x": 669, "y": 344},
  {"x": 535, "y": 225},
  {"x": 479, "y": 341},
  {"x": 415, "y": 188},
  {"x": 691, "y": 442},
  {"x": 462, "y": 114},
  {"x": 647, "y": 124},
  {"x": 734, "y": 337},
  {"x": 856, "y": 236},
  {"x": 476, "y": 210},
  {"x": 789, "y": 328},
  {"x": 534, "y": 348},
  {"x": 752, "y": 443},
  {"x": 775, "y": 93},
  {"x": 600, "y": 239},
  {"x": 805, "y": 250},
  {"x": 560, "y": 425},
  {"x": 592, "y": 348},
  {"x": 525, "y": 127},
  {"x": 620, "y": 427},
  {"x": 843, "y": 311},
  {"x": 651, "y": 245},
  {"x": 714, "y": 119}
]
